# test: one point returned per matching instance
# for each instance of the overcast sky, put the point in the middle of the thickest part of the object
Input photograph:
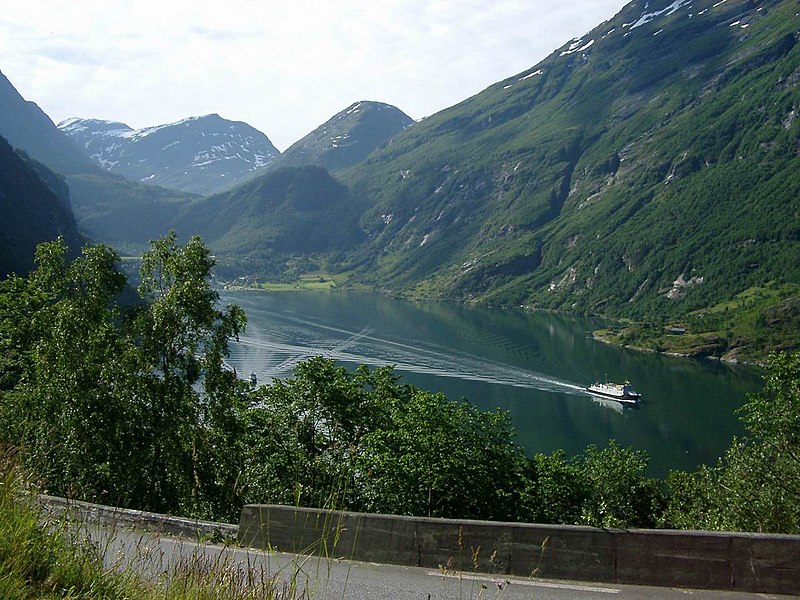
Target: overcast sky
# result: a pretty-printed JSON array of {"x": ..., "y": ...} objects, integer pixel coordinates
[{"x": 283, "y": 67}]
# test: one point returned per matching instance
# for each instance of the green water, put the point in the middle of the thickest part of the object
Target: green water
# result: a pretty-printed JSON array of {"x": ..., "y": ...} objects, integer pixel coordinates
[{"x": 534, "y": 365}]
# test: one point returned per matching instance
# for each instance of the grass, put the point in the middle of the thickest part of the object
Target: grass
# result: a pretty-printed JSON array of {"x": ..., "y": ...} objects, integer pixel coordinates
[
  {"x": 308, "y": 281},
  {"x": 746, "y": 328},
  {"x": 54, "y": 560},
  {"x": 318, "y": 283}
]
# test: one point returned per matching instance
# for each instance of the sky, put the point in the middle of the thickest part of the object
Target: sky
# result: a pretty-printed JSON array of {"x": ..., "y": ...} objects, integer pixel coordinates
[{"x": 283, "y": 67}]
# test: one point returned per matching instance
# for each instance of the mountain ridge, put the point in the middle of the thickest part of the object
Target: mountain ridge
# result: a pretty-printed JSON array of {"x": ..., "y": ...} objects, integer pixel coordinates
[
  {"x": 201, "y": 154},
  {"x": 606, "y": 178},
  {"x": 35, "y": 206},
  {"x": 26, "y": 126},
  {"x": 348, "y": 137}
]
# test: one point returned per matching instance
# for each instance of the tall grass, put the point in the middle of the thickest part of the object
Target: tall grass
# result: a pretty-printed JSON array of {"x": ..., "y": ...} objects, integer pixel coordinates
[{"x": 40, "y": 559}]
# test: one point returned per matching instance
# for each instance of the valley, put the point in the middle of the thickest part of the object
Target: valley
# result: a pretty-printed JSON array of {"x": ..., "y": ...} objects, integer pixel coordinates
[{"x": 646, "y": 171}]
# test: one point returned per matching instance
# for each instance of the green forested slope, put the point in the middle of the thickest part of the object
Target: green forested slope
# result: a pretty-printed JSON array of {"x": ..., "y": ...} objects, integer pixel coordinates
[
  {"x": 264, "y": 225},
  {"x": 647, "y": 170},
  {"x": 122, "y": 213},
  {"x": 34, "y": 204}
]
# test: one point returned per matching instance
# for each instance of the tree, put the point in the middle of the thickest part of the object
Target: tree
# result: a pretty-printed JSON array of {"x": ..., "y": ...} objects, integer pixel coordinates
[
  {"x": 123, "y": 405},
  {"x": 619, "y": 492},
  {"x": 306, "y": 432},
  {"x": 557, "y": 491},
  {"x": 756, "y": 485},
  {"x": 183, "y": 337},
  {"x": 66, "y": 404},
  {"x": 601, "y": 487},
  {"x": 441, "y": 458}
]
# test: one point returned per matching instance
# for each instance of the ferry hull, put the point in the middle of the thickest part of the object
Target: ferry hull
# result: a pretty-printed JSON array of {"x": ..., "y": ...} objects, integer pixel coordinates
[{"x": 624, "y": 399}]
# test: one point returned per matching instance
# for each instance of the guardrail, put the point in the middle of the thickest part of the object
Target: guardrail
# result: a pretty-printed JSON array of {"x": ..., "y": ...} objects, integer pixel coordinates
[
  {"x": 687, "y": 559},
  {"x": 57, "y": 508},
  {"x": 748, "y": 562}
]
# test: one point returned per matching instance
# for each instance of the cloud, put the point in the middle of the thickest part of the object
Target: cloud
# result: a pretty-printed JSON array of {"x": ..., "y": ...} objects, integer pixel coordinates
[
  {"x": 70, "y": 54},
  {"x": 282, "y": 67}
]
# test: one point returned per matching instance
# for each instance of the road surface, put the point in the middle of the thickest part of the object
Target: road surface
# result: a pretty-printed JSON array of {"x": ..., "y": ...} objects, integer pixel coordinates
[{"x": 332, "y": 578}]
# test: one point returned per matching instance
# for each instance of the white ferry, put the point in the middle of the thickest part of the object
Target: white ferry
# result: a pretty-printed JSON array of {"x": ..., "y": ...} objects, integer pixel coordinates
[{"x": 621, "y": 392}]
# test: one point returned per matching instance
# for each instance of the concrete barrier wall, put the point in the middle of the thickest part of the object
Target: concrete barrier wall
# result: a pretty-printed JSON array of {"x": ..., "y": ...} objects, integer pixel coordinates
[
  {"x": 690, "y": 559},
  {"x": 60, "y": 508}
]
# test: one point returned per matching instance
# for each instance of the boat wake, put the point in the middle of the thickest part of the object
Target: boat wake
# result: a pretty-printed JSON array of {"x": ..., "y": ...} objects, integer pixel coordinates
[{"x": 276, "y": 355}]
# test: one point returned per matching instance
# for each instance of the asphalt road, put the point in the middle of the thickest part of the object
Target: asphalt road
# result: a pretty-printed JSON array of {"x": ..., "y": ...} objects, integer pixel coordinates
[{"x": 328, "y": 578}]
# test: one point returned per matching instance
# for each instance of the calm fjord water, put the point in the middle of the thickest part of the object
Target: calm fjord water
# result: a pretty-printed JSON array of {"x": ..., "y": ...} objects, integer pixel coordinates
[{"x": 534, "y": 365}]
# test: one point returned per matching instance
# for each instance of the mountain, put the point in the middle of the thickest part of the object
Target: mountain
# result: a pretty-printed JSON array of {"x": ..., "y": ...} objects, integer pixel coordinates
[
  {"x": 121, "y": 213},
  {"x": 259, "y": 227},
  {"x": 24, "y": 125},
  {"x": 127, "y": 214},
  {"x": 649, "y": 169},
  {"x": 199, "y": 154},
  {"x": 347, "y": 138},
  {"x": 34, "y": 203}
]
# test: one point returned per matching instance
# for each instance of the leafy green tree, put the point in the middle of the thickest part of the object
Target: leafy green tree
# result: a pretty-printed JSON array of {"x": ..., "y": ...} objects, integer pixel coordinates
[
  {"x": 70, "y": 406},
  {"x": 120, "y": 405},
  {"x": 601, "y": 487},
  {"x": 620, "y": 494},
  {"x": 442, "y": 458},
  {"x": 756, "y": 485},
  {"x": 306, "y": 432},
  {"x": 557, "y": 491},
  {"x": 183, "y": 337}
]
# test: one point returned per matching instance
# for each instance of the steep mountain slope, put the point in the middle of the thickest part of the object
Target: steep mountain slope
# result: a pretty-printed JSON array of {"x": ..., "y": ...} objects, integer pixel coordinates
[
  {"x": 24, "y": 125},
  {"x": 347, "y": 138},
  {"x": 34, "y": 203},
  {"x": 648, "y": 168},
  {"x": 124, "y": 214},
  {"x": 199, "y": 154},
  {"x": 260, "y": 226}
]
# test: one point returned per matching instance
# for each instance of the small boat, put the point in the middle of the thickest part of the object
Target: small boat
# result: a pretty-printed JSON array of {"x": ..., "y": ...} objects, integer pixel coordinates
[{"x": 620, "y": 392}]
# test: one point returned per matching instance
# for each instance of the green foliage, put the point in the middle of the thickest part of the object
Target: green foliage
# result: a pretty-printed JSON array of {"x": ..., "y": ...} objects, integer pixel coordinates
[
  {"x": 620, "y": 494},
  {"x": 557, "y": 492},
  {"x": 364, "y": 441},
  {"x": 104, "y": 401},
  {"x": 756, "y": 485},
  {"x": 134, "y": 406},
  {"x": 605, "y": 487},
  {"x": 442, "y": 459}
]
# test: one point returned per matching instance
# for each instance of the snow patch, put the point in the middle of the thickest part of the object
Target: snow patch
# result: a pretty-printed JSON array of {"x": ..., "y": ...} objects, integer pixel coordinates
[
  {"x": 672, "y": 8},
  {"x": 577, "y": 47},
  {"x": 534, "y": 74}
]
